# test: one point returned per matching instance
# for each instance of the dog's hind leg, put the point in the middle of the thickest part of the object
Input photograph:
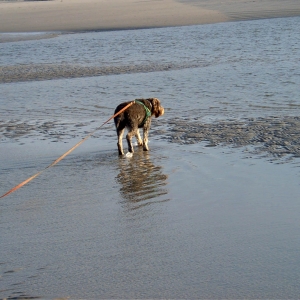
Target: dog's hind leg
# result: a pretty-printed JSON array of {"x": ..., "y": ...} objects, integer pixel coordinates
[
  {"x": 129, "y": 137},
  {"x": 138, "y": 138},
  {"x": 120, "y": 133}
]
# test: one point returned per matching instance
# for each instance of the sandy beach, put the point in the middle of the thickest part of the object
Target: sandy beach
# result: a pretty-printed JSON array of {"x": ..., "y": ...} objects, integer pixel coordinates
[{"x": 75, "y": 15}]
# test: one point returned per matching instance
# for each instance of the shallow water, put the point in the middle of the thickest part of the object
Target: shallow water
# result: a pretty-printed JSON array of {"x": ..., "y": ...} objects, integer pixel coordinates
[
  {"x": 209, "y": 73},
  {"x": 185, "y": 222},
  {"x": 182, "y": 221}
]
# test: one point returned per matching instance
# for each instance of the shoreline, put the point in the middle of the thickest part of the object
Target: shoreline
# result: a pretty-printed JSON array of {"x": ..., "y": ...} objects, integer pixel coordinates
[
  {"x": 103, "y": 15},
  {"x": 93, "y": 15}
]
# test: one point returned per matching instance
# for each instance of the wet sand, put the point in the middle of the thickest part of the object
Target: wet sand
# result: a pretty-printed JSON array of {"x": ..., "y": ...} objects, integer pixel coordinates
[
  {"x": 272, "y": 137},
  {"x": 35, "y": 72},
  {"x": 75, "y": 15}
]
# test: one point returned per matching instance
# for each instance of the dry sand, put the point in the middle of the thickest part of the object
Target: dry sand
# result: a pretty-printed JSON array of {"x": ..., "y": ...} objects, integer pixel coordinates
[{"x": 77, "y": 15}]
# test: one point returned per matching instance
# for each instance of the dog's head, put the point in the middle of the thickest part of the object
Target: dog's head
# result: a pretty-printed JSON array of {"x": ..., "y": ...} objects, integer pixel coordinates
[{"x": 157, "y": 109}]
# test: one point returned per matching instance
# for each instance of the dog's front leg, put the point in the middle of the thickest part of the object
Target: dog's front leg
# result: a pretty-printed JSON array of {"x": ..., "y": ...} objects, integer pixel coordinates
[{"x": 138, "y": 138}]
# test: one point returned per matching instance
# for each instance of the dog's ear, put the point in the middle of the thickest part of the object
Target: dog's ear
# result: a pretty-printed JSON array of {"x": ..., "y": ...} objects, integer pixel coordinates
[{"x": 157, "y": 109}]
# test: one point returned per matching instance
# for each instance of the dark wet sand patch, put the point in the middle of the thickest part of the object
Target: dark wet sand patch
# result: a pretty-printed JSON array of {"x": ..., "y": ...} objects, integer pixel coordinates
[
  {"x": 37, "y": 72},
  {"x": 17, "y": 37},
  {"x": 274, "y": 136},
  {"x": 16, "y": 129}
]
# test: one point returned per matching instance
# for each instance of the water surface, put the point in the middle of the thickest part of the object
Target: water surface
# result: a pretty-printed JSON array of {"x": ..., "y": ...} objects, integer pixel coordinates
[{"x": 182, "y": 221}]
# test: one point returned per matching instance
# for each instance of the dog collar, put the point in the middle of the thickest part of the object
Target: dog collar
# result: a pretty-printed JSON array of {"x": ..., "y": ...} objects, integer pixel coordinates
[{"x": 148, "y": 112}]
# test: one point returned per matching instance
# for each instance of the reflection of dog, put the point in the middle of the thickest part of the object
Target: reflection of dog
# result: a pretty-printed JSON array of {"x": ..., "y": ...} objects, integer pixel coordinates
[
  {"x": 136, "y": 116},
  {"x": 141, "y": 181}
]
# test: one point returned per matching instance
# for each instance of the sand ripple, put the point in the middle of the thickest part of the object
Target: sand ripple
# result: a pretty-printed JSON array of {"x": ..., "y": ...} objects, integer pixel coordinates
[{"x": 275, "y": 136}]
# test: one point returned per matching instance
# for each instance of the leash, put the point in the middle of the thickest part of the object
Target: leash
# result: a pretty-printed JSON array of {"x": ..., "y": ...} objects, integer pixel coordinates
[{"x": 65, "y": 154}]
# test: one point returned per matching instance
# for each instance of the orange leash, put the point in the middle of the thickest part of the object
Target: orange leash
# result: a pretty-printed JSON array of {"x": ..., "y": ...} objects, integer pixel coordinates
[{"x": 64, "y": 155}]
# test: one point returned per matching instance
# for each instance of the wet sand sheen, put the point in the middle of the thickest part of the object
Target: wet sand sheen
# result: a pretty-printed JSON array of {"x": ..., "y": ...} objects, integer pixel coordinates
[{"x": 112, "y": 233}]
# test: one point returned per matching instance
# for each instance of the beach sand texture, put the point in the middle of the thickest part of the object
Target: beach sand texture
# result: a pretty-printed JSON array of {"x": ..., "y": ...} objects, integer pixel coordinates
[{"x": 76, "y": 15}]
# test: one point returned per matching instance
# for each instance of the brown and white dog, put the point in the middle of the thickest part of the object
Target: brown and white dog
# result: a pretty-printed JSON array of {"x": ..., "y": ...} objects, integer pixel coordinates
[{"x": 136, "y": 116}]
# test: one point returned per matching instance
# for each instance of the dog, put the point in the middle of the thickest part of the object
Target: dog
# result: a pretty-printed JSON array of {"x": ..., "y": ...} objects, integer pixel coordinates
[{"x": 136, "y": 116}]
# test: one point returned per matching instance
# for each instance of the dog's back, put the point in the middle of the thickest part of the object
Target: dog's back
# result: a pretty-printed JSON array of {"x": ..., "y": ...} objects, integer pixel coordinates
[{"x": 134, "y": 116}]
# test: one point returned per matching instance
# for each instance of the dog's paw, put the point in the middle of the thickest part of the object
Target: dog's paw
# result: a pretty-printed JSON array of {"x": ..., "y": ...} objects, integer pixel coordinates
[{"x": 129, "y": 154}]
